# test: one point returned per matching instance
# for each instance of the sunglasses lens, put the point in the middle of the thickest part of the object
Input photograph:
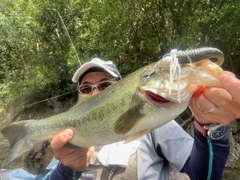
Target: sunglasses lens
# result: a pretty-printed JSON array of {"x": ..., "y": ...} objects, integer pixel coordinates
[
  {"x": 103, "y": 85},
  {"x": 85, "y": 89}
]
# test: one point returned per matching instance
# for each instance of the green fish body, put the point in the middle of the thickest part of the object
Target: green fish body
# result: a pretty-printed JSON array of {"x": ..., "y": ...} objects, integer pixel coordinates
[{"x": 139, "y": 103}]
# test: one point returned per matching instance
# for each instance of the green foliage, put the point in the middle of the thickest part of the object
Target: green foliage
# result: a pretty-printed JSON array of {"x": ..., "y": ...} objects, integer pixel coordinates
[{"x": 38, "y": 48}]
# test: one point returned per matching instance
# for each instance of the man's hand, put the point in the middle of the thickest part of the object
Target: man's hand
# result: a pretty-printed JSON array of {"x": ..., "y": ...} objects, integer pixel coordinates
[
  {"x": 223, "y": 101},
  {"x": 76, "y": 159}
]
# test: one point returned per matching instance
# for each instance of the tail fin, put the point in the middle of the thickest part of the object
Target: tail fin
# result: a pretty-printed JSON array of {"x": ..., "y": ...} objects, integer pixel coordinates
[{"x": 16, "y": 134}]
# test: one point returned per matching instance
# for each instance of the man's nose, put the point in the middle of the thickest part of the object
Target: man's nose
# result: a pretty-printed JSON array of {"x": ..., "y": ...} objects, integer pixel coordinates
[{"x": 95, "y": 91}]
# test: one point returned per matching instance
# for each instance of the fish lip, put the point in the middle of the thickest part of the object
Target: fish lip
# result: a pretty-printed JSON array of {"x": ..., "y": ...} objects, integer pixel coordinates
[{"x": 156, "y": 99}]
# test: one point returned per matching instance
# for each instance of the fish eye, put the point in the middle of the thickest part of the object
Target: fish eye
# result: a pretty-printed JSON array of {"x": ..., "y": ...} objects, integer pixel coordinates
[
  {"x": 149, "y": 74},
  {"x": 150, "y": 71}
]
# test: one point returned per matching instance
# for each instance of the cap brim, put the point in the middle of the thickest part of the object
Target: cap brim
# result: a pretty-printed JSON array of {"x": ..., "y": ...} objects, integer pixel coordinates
[{"x": 87, "y": 66}]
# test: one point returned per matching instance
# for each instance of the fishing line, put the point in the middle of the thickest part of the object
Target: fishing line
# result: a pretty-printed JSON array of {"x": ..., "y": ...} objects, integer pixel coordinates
[
  {"x": 50, "y": 98},
  {"x": 190, "y": 60},
  {"x": 175, "y": 72},
  {"x": 69, "y": 38}
]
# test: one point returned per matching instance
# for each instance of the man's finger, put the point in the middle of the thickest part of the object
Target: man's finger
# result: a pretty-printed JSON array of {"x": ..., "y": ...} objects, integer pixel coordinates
[
  {"x": 60, "y": 140},
  {"x": 228, "y": 82},
  {"x": 229, "y": 73}
]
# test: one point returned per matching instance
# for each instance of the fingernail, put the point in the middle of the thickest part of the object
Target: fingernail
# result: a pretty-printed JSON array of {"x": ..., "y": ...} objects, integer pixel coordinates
[
  {"x": 69, "y": 132},
  {"x": 223, "y": 77}
]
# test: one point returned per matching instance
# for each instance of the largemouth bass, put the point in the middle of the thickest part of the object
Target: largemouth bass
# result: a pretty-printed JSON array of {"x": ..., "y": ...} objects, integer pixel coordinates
[{"x": 139, "y": 103}]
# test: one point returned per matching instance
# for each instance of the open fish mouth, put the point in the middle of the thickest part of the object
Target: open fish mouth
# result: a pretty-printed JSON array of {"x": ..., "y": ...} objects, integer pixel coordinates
[{"x": 156, "y": 99}]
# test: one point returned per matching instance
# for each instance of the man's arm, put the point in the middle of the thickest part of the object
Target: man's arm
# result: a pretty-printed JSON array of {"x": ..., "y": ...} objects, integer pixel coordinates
[
  {"x": 208, "y": 157},
  {"x": 169, "y": 143},
  {"x": 61, "y": 172}
]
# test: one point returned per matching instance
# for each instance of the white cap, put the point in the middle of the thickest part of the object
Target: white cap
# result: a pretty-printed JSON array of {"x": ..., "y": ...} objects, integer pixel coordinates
[{"x": 106, "y": 66}]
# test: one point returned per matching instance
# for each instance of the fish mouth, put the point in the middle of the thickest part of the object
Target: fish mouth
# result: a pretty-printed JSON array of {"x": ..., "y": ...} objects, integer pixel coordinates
[{"x": 156, "y": 99}]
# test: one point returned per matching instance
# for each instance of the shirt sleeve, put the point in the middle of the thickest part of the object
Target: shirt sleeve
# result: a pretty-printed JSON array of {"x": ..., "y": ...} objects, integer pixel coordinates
[
  {"x": 61, "y": 172},
  {"x": 169, "y": 143},
  {"x": 208, "y": 157},
  {"x": 201, "y": 157}
]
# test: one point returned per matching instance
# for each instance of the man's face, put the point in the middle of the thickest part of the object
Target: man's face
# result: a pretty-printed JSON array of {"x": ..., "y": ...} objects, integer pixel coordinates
[{"x": 95, "y": 78}]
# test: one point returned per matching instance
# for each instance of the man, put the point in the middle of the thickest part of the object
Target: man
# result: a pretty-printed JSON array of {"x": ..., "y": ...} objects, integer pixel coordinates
[{"x": 158, "y": 148}]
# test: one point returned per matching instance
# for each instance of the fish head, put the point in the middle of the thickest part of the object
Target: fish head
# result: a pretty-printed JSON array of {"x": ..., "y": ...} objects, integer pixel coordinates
[{"x": 167, "y": 81}]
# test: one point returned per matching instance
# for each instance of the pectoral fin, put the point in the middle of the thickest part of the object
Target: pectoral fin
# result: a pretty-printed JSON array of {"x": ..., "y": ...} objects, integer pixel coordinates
[
  {"x": 136, "y": 136},
  {"x": 129, "y": 119}
]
